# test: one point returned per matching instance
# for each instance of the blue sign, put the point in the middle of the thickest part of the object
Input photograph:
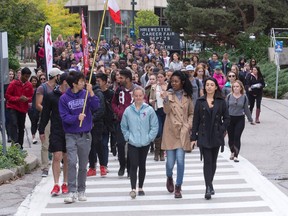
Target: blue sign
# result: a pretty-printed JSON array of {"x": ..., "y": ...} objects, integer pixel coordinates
[
  {"x": 132, "y": 32},
  {"x": 279, "y": 46}
]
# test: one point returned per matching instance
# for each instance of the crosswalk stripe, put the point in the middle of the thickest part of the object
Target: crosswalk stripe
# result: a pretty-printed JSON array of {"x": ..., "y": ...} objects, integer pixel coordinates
[{"x": 238, "y": 193}]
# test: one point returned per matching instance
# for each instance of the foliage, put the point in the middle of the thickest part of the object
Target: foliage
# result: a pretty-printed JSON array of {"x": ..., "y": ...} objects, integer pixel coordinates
[
  {"x": 61, "y": 21},
  {"x": 221, "y": 21},
  {"x": 269, "y": 72},
  {"x": 14, "y": 157},
  {"x": 17, "y": 19},
  {"x": 13, "y": 61},
  {"x": 145, "y": 18}
]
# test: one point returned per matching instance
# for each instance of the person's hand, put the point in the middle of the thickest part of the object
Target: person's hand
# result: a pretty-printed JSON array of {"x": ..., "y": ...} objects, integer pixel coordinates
[
  {"x": 193, "y": 144},
  {"x": 89, "y": 88},
  {"x": 23, "y": 98},
  {"x": 42, "y": 138},
  {"x": 81, "y": 116},
  {"x": 163, "y": 94}
]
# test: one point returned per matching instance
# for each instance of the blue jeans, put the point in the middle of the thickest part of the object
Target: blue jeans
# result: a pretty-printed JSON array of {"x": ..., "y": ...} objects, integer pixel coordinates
[{"x": 173, "y": 156}]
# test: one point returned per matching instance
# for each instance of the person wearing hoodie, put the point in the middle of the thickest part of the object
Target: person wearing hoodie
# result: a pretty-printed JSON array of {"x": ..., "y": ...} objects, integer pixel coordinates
[
  {"x": 57, "y": 143},
  {"x": 219, "y": 76},
  {"x": 139, "y": 126},
  {"x": 77, "y": 126},
  {"x": 19, "y": 93}
]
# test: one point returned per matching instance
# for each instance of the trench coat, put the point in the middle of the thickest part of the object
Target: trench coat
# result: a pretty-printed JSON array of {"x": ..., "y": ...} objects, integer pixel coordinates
[
  {"x": 178, "y": 122},
  {"x": 210, "y": 125}
]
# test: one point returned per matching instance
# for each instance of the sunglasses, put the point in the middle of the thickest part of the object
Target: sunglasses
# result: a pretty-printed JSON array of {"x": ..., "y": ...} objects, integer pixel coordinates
[
  {"x": 231, "y": 76},
  {"x": 43, "y": 79}
]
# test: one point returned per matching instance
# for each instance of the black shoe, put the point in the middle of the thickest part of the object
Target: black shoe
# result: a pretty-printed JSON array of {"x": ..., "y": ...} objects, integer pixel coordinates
[
  {"x": 212, "y": 190},
  {"x": 208, "y": 193},
  {"x": 141, "y": 193},
  {"x": 121, "y": 171}
]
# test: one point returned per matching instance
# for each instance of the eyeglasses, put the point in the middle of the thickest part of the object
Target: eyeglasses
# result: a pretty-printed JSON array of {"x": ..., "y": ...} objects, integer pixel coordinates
[
  {"x": 43, "y": 79},
  {"x": 200, "y": 71},
  {"x": 231, "y": 76}
]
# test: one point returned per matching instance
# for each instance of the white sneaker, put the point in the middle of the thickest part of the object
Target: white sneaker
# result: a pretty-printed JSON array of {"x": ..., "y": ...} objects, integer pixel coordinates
[
  {"x": 81, "y": 196},
  {"x": 34, "y": 141},
  {"x": 71, "y": 198}
]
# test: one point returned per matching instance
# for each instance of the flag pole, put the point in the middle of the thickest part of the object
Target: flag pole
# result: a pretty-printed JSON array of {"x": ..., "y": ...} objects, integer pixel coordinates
[{"x": 94, "y": 59}]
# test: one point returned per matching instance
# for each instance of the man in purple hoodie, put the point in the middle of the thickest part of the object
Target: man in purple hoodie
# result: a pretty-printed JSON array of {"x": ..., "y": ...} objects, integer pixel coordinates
[{"x": 78, "y": 138}]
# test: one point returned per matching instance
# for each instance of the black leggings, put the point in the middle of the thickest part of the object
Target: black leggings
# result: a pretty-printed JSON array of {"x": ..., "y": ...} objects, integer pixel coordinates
[
  {"x": 252, "y": 98},
  {"x": 235, "y": 129},
  {"x": 137, "y": 156},
  {"x": 210, "y": 164}
]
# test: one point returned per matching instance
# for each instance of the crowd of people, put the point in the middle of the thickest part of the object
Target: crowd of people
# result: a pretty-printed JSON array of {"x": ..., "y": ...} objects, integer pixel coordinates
[{"x": 138, "y": 100}]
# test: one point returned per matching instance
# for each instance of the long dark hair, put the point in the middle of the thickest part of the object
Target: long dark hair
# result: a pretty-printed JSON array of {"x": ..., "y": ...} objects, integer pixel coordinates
[
  {"x": 259, "y": 74},
  {"x": 218, "y": 92},
  {"x": 187, "y": 86}
]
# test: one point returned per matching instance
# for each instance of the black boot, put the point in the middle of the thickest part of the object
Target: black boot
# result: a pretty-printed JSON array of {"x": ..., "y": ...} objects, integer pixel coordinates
[
  {"x": 177, "y": 193},
  {"x": 208, "y": 193},
  {"x": 212, "y": 190},
  {"x": 170, "y": 184}
]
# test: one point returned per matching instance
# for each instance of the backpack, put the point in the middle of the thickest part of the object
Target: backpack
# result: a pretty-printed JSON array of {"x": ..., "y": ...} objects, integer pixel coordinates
[{"x": 198, "y": 84}]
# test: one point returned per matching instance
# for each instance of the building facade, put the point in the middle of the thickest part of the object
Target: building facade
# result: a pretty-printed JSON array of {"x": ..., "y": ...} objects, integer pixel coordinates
[{"x": 93, "y": 11}]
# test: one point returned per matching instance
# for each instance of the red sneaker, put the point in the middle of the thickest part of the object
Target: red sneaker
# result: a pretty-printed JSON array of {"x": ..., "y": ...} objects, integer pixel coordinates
[
  {"x": 55, "y": 191},
  {"x": 103, "y": 171},
  {"x": 91, "y": 172},
  {"x": 64, "y": 188}
]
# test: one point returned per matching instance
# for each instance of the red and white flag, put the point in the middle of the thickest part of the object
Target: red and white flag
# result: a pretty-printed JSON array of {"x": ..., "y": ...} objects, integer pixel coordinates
[
  {"x": 114, "y": 11},
  {"x": 85, "y": 45},
  {"x": 48, "y": 48}
]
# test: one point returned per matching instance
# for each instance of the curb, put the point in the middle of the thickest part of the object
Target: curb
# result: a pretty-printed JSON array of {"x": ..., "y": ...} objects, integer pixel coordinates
[{"x": 7, "y": 175}]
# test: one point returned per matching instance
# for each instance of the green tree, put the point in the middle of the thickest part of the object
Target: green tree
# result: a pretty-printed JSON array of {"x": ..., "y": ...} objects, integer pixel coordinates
[
  {"x": 221, "y": 21},
  {"x": 61, "y": 21},
  {"x": 16, "y": 18},
  {"x": 145, "y": 18}
]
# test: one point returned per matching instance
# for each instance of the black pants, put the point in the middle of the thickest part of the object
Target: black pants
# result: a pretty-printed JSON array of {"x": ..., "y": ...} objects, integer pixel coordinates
[
  {"x": 96, "y": 145},
  {"x": 210, "y": 164},
  {"x": 34, "y": 118},
  {"x": 17, "y": 126},
  {"x": 235, "y": 129},
  {"x": 137, "y": 156},
  {"x": 252, "y": 98},
  {"x": 121, "y": 149}
]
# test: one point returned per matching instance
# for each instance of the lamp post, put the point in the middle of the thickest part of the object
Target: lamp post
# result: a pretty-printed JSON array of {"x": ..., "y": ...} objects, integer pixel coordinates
[{"x": 132, "y": 31}]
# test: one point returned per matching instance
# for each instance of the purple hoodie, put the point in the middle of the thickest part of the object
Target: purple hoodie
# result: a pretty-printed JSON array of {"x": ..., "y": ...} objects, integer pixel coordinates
[{"x": 71, "y": 105}]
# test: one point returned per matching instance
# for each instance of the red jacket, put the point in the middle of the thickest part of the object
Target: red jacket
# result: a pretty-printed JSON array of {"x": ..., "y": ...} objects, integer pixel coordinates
[{"x": 15, "y": 90}]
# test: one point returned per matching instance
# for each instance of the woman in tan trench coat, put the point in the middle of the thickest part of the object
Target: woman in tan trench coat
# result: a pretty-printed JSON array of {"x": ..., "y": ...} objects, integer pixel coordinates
[{"x": 178, "y": 107}]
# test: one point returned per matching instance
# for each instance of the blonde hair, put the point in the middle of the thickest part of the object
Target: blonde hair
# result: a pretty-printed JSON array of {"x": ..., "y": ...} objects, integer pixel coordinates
[{"x": 242, "y": 91}]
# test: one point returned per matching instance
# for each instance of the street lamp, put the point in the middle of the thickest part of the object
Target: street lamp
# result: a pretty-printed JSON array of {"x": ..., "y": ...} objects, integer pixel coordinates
[{"x": 132, "y": 31}]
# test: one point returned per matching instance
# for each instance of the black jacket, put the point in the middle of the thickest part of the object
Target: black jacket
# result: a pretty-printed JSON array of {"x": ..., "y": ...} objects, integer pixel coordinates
[
  {"x": 209, "y": 125},
  {"x": 99, "y": 113},
  {"x": 50, "y": 108}
]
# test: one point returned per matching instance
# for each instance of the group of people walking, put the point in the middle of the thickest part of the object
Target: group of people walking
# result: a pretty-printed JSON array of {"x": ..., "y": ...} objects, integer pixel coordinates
[{"x": 135, "y": 102}]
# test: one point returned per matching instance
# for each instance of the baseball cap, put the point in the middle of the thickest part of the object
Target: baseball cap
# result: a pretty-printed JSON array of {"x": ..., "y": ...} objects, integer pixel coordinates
[
  {"x": 218, "y": 67},
  {"x": 54, "y": 72},
  {"x": 189, "y": 68}
]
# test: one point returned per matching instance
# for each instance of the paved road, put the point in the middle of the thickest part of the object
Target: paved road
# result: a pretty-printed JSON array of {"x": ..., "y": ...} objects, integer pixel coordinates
[{"x": 240, "y": 190}]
